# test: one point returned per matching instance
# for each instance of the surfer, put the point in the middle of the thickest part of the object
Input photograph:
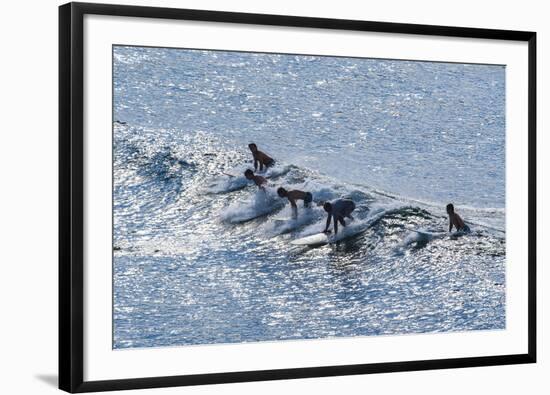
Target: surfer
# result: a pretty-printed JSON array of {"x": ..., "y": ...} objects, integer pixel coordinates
[
  {"x": 260, "y": 158},
  {"x": 338, "y": 209},
  {"x": 294, "y": 195},
  {"x": 455, "y": 220},
  {"x": 258, "y": 180}
]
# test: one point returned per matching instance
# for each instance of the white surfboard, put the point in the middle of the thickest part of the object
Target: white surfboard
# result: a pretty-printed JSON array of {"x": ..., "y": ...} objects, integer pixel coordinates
[
  {"x": 312, "y": 240},
  {"x": 427, "y": 233},
  {"x": 252, "y": 212},
  {"x": 322, "y": 238},
  {"x": 227, "y": 184},
  {"x": 459, "y": 233},
  {"x": 280, "y": 220},
  {"x": 249, "y": 216}
]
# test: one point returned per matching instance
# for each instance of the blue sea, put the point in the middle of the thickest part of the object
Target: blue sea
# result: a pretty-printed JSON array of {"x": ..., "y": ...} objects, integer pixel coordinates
[{"x": 201, "y": 256}]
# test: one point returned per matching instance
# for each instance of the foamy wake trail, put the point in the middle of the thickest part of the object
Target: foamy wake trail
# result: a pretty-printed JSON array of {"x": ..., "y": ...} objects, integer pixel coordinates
[
  {"x": 234, "y": 179},
  {"x": 357, "y": 226},
  {"x": 415, "y": 237},
  {"x": 262, "y": 203},
  {"x": 227, "y": 184},
  {"x": 283, "y": 222}
]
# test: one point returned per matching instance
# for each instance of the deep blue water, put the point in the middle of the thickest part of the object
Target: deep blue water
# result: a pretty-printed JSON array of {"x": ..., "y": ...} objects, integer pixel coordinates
[{"x": 400, "y": 138}]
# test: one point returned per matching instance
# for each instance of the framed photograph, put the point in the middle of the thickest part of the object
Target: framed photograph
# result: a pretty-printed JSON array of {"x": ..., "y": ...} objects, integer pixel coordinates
[{"x": 251, "y": 197}]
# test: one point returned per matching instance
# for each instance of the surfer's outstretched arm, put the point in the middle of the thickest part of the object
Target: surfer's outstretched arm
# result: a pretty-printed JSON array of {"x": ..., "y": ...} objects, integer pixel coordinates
[
  {"x": 450, "y": 224},
  {"x": 328, "y": 223},
  {"x": 335, "y": 226}
]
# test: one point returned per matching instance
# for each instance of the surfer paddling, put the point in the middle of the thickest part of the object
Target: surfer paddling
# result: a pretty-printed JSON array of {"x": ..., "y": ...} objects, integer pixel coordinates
[
  {"x": 338, "y": 209},
  {"x": 260, "y": 158},
  {"x": 294, "y": 195},
  {"x": 456, "y": 221},
  {"x": 258, "y": 180}
]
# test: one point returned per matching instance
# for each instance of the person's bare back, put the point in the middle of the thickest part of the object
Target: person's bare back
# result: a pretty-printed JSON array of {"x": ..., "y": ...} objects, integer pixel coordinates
[
  {"x": 258, "y": 180},
  {"x": 260, "y": 158},
  {"x": 294, "y": 195},
  {"x": 455, "y": 220}
]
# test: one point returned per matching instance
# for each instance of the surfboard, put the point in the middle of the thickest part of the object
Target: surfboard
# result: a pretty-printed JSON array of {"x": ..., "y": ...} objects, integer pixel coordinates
[
  {"x": 312, "y": 240},
  {"x": 322, "y": 238},
  {"x": 227, "y": 184},
  {"x": 459, "y": 233},
  {"x": 234, "y": 180},
  {"x": 245, "y": 217},
  {"x": 426, "y": 233},
  {"x": 283, "y": 219},
  {"x": 251, "y": 213}
]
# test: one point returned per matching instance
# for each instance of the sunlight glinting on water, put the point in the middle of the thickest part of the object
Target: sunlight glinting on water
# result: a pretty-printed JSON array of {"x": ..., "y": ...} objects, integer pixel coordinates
[{"x": 203, "y": 257}]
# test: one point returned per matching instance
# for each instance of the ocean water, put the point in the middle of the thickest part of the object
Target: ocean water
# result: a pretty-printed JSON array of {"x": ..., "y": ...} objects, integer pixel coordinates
[{"x": 201, "y": 257}]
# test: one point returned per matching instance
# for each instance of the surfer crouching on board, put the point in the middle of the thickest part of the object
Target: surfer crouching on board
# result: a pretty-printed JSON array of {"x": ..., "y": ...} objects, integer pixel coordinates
[
  {"x": 456, "y": 221},
  {"x": 260, "y": 158},
  {"x": 338, "y": 209},
  {"x": 258, "y": 180},
  {"x": 294, "y": 195}
]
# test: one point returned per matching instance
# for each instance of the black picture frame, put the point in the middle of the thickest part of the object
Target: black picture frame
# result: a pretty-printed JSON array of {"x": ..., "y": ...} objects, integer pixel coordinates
[{"x": 71, "y": 173}]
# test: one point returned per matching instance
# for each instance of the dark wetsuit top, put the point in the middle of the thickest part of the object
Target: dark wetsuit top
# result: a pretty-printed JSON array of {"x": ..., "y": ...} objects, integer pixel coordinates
[{"x": 342, "y": 208}]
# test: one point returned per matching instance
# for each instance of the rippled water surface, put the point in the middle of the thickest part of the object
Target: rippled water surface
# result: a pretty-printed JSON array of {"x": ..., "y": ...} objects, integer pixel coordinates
[{"x": 400, "y": 138}]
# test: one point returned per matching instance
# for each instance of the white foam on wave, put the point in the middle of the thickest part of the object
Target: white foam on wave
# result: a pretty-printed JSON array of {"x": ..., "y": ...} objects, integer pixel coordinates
[
  {"x": 234, "y": 179},
  {"x": 262, "y": 203},
  {"x": 354, "y": 227},
  {"x": 227, "y": 184},
  {"x": 420, "y": 236},
  {"x": 284, "y": 223},
  {"x": 492, "y": 218}
]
